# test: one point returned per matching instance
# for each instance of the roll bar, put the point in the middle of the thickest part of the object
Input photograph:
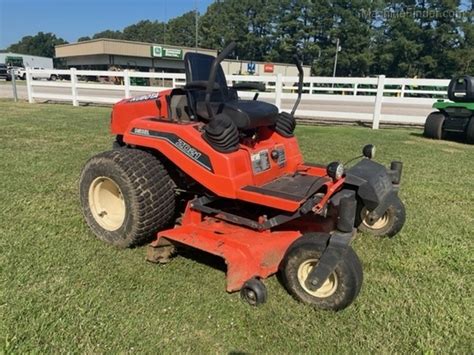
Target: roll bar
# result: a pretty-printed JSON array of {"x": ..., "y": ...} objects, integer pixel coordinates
[
  {"x": 300, "y": 82},
  {"x": 212, "y": 76}
]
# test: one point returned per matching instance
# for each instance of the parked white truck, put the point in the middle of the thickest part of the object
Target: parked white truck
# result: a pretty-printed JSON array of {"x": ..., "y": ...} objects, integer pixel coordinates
[
  {"x": 18, "y": 62},
  {"x": 21, "y": 74}
]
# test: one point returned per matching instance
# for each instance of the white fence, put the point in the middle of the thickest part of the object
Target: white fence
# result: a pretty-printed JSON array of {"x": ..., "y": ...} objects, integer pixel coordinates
[{"x": 371, "y": 94}]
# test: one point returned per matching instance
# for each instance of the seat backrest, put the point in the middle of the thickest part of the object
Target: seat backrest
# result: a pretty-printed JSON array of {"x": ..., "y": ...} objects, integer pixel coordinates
[
  {"x": 461, "y": 89},
  {"x": 179, "y": 109},
  {"x": 198, "y": 67}
]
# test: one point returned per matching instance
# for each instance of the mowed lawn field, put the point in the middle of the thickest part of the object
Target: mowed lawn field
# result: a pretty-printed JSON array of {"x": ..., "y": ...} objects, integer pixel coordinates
[{"x": 61, "y": 290}]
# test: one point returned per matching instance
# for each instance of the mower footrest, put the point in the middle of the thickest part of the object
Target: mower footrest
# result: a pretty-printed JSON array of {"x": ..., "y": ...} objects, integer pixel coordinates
[{"x": 295, "y": 188}]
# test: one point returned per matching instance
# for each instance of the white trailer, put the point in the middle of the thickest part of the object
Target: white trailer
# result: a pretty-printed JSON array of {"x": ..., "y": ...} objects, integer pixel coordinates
[{"x": 26, "y": 61}]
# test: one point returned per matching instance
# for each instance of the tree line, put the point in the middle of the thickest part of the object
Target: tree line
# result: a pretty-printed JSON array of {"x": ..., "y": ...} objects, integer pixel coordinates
[{"x": 424, "y": 38}]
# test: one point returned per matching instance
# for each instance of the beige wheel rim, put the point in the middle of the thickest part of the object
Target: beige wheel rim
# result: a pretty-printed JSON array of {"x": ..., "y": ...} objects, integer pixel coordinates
[
  {"x": 329, "y": 286},
  {"x": 106, "y": 203},
  {"x": 382, "y": 222}
]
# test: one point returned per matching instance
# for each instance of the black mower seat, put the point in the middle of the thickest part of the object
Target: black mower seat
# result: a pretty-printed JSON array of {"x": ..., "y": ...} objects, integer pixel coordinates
[{"x": 246, "y": 114}]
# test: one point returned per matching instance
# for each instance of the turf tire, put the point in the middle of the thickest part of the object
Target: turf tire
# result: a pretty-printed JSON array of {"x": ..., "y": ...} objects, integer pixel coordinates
[
  {"x": 146, "y": 188},
  {"x": 395, "y": 219},
  {"x": 470, "y": 131},
  {"x": 348, "y": 274},
  {"x": 434, "y": 125}
]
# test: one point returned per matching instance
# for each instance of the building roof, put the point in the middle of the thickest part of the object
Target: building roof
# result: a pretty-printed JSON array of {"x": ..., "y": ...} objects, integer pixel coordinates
[
  {"x": 20, "y": 55},
  {"x": 117, "y": 47}
]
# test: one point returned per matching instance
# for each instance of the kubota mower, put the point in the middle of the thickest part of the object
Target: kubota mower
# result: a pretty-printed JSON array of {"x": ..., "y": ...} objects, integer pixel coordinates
[
  {"x": 454, "y": 116},
  {"x": 198, "y": 167}
]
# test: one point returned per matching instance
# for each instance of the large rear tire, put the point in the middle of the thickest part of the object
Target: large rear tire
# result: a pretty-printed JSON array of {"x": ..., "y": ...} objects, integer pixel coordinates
[
  {"x": 126, "y": 196},
  {"x": 434, "y": 125},
  {"x": 470, "y": 131}
]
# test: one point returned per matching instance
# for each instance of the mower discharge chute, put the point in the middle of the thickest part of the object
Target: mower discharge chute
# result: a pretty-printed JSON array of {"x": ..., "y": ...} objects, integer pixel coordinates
[{"x": 199, "y": 167}]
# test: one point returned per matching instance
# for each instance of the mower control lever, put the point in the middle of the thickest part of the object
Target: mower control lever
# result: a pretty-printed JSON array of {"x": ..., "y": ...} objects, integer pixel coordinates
[
  {"x": 212, "y": 76},
  {"x": 300, "y": 82}
]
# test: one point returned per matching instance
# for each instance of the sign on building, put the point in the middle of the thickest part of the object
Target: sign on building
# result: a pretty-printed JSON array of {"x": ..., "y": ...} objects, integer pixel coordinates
[
  {"x": 268, "y": 68},
  {"x": 163, "y": 52},
  {"x": 251, "y": 68}
]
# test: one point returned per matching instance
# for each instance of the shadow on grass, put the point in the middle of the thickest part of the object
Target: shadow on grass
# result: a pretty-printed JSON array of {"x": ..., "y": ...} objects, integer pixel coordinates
[
  {"x": 449, "y": 136},
  {"x": 202, "y": 257}
]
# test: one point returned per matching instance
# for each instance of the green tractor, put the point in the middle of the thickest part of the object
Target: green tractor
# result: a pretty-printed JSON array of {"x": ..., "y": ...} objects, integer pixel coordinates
[{"x": 455, "y": 115}]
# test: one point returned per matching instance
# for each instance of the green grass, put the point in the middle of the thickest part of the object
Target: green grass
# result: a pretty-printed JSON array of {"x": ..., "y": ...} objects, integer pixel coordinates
[{"x": 61, "y": 290}]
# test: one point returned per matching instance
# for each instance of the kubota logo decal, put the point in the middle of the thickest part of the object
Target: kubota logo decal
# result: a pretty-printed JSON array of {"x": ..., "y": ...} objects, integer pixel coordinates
[
  {"x": 200, "y": 158},
  {"x": 186, "y": 148}
]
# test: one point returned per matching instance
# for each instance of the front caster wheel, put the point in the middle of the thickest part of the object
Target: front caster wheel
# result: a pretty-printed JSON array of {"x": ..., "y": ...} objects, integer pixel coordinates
[
  {"x": 337, "y": 292},
  {"x": 389, "y": 225},
  {"x": 254, "y": 292}
]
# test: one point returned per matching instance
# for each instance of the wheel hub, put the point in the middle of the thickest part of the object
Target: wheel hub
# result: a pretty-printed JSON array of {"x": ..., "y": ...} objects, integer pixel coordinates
[
  {"x": 106, "y": 203},
  {"x": 251, "y": 297},
  {"x": 327, "y": 289},
  {"x": 382, "y": 222}
]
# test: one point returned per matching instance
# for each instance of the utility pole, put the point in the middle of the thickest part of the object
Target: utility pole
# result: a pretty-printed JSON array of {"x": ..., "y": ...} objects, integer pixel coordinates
[
  {"x": 164, "y": 24},
  {"x": 338, "y": 49},
  {"x": 196, "y": 22}
]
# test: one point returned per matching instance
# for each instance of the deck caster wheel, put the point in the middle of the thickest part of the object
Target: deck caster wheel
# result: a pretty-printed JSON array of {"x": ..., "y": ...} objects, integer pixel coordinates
[
  {"x": 337, "y": 292},
  {"x": 254, "y": 292},
  {"x": 389, "y": 225}
]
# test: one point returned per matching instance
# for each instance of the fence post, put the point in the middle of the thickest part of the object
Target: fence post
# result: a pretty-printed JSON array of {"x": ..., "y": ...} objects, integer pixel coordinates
[
  {"x": 278, "y": 90},
  {"x": 402, "y": 92},
  {"x": 15, "y": 93},
  {"x": 75, "y": 102},
  {"x": 355, "y": 89},
  {"x": 29, "y": 85},
  {"x": 378, "y": 102},
  {"x": 126, "y": 82}
]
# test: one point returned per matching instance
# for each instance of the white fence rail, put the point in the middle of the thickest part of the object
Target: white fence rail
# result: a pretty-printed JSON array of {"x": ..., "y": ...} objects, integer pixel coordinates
[{"x": 90, "y": 86}]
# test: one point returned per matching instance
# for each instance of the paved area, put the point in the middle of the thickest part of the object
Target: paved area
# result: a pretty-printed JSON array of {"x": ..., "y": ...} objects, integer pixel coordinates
[{"x": 405, "y": 111}]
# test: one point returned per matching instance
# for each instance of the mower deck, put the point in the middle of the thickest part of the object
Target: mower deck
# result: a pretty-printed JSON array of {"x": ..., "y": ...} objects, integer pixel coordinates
[{"x": 245, "y": 251}]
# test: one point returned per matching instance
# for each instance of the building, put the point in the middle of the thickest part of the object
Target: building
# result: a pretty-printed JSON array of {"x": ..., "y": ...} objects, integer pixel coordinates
[
  {"x": 104, "y": 54},
  {"x": 24, "y": 60}
]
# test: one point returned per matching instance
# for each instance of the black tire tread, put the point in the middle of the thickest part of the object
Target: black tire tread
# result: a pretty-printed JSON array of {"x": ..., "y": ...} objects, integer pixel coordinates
[
  {"x": 350, "y": 265},
  {"x": 434, "y": 125},
  {"x": 470, "y": 131},
  {"x": 152, "y": 189}
]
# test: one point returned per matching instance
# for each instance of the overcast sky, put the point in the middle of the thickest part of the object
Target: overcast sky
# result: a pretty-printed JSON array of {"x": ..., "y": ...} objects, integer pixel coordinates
[{"x": 71, "y": 19}]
